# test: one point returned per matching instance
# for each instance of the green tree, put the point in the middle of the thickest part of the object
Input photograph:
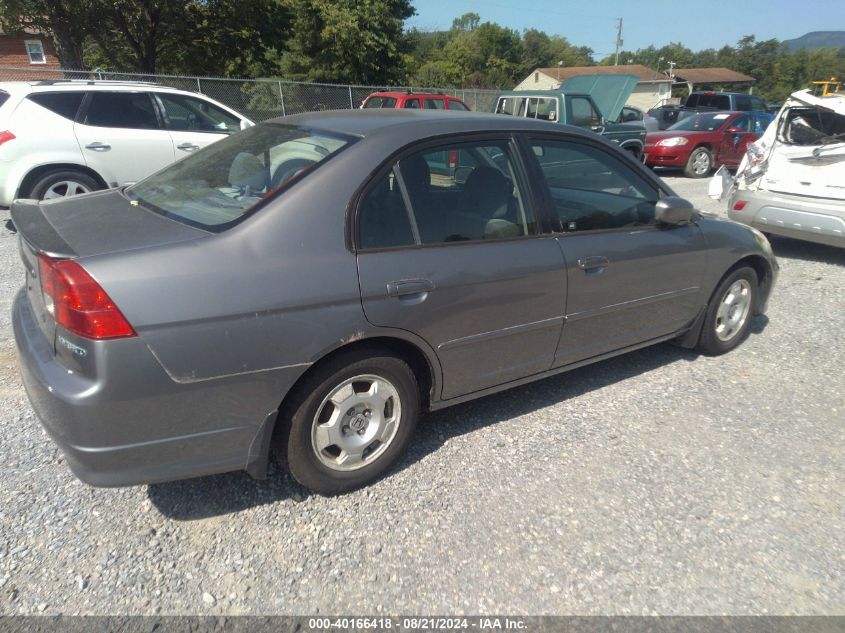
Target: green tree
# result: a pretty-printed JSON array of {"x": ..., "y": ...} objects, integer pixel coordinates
[{"x": 348, "y": 41}]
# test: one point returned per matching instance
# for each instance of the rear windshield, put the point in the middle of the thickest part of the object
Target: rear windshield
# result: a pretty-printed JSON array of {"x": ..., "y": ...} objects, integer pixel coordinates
[
  {"x": 216, "y": 187},
  {"x": 702, "y": 122},
  {"x": 3, "y": 97},
  {"x": 723, "y": 102},
  {"x": 380, "y": 102},
  {"x": 812, "y": 126}
]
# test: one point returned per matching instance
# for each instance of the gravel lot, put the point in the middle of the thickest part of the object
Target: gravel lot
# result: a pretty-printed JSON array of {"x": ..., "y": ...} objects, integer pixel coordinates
[{"x": 658, "y": 482}]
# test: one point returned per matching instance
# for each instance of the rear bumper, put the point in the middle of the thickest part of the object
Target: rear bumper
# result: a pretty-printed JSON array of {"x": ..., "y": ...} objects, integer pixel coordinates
[
  {"x": 800, "y": 217},
  {"x": 134, "y": 425}
]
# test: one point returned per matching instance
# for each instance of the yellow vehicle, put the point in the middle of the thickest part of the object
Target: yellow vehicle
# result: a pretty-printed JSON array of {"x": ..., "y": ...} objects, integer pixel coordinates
[{"x": 824, "y": 88}]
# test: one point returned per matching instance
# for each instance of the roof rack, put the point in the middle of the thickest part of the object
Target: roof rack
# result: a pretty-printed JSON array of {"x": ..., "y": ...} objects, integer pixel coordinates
[{"x": 94, "y": 82}]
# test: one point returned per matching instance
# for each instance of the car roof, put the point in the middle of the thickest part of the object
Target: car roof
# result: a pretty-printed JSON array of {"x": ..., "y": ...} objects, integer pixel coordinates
[
  {"x": 64, "y": 85},
  {"x": 414, "y": 124},
  {"x": 406, "y": 93}
]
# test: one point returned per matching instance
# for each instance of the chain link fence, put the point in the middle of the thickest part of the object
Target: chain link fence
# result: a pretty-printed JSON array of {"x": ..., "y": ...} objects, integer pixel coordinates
[{"x": 258, "y": 99}]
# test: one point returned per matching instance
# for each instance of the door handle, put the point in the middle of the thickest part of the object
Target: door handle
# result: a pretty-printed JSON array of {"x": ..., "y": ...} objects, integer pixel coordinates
[
  {"x": 188, "y": 147},
  {"x": 98, "y": 147},
  {"x": 410, "y": 289},
  {"x": 593, "y": 262}
]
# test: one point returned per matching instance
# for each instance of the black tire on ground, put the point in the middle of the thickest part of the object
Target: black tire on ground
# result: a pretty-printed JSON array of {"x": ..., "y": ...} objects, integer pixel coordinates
[
  {"x": 292, "y": 440},
  {"x": 46, "y": 181},
  {"x": 710, "y": 342},
  {"x": 700, "y": 163}
]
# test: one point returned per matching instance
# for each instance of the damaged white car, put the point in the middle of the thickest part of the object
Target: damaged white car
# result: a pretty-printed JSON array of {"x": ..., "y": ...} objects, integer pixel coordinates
[{"x": 792, "y": 180}]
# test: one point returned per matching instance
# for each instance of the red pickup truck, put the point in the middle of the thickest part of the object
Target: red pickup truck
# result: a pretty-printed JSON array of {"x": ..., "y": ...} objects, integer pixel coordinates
[{"x": 704, "y": 140}]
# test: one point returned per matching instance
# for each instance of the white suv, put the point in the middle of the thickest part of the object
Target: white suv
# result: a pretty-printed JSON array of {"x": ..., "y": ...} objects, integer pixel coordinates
[{"x": 61, "y": 138}]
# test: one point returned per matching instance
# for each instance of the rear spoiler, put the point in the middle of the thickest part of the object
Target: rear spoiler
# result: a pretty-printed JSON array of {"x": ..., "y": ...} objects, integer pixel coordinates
[{"x": 36, "y": 230}]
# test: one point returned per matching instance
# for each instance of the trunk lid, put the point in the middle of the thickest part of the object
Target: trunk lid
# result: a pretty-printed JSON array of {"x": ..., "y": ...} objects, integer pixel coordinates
[{"x": 85, "y": 226}]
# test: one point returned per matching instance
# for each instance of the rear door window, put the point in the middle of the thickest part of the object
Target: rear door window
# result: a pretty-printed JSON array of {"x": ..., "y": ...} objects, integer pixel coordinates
[
  {"x": 452, "y": 193},
  {"x": 454, "y": 104},
  {"x": 435, "y": 104},
  {"x": 413, "y": 104},
  {"x": 132, "y": 110},
  {"x": 65, "y": 104}
]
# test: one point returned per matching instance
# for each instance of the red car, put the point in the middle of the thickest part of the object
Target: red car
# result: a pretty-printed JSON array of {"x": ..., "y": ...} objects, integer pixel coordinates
[
  {"x": 704, "y": 140},
  {"x": 418, "y": 100}
]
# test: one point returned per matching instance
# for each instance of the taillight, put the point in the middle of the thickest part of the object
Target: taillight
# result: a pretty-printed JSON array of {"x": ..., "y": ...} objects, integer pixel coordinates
[
  {"x": 739, "y": 205},
  {"x": 452, "y": 160},
  {"x": 6, "y": 135},
  {"x": 77, "y": 302}
]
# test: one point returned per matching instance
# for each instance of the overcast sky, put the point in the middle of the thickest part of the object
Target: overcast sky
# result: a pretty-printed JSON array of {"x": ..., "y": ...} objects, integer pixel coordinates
[{"x": 698, "y": 25}]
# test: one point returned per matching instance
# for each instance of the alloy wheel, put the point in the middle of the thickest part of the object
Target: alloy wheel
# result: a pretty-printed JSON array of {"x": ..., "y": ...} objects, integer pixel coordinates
[{"x": 356, "y": 422}]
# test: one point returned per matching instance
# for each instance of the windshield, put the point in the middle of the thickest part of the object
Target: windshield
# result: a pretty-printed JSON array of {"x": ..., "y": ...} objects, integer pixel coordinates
[
  {"x": 216, "y": 187},
  {"x": 702, "y": 122}
]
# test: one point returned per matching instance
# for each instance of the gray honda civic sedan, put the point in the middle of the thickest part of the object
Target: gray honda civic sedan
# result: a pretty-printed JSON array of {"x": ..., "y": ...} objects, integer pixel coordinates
[{"x": 309, "y": 286}]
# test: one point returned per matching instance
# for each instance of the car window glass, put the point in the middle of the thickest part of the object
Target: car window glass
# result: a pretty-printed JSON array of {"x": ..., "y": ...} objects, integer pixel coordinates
[
  {"x": 696, "y": 122},
  {"x": 758, "y": 104},
  {"x": 514, "y": 106},
  {"x": 64, "y": 104},
  {"x": 465, "y": 192},
  {"x": 383, "y": 220},
  {"x": 196, "y": 115},
  {"x": 216, "y": 187},
  {"x": 592, "y": 189},
  {"x": 742, "y": 123},
  {"x": 434, "y": 104},
  {"x": 380, "y": 102},
  {"x": 761, "y": 121},
  {"x": 583, "y": 113},
  {"x": 3, "y": 97},
  {"x": 412, "y": 103},
  {"x": 454, "y": 104},
  {"x": 743, "y": 102},
  {"x": 121, "y": 109}
]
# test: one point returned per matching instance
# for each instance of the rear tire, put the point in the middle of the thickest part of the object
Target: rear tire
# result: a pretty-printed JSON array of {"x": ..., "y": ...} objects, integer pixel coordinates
[
  {"x": 61, "y": 183},
  {"x": 350, "y": 421},
  {"x": 729, "y": 312},
  {"x": 700, "y": 163}
]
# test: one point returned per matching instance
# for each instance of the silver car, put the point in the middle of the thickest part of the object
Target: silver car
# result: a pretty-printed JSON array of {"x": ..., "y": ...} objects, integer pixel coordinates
[{"x": 314, "y": 283}]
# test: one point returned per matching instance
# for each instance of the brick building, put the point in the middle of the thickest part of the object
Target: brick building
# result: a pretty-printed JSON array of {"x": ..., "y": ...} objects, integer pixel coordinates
[{"x": 31, "y": 51}]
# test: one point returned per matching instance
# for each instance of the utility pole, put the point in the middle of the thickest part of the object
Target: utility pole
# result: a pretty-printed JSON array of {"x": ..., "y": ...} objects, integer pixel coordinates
[
  {"x": 618, "y": 39},
  {"x": 671, "y": 70}
]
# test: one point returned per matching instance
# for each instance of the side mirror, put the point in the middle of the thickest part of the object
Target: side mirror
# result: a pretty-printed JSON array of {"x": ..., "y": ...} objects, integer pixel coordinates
[
  {"x": 246, "y": 123},
  {"x": 673, "y": 210}
]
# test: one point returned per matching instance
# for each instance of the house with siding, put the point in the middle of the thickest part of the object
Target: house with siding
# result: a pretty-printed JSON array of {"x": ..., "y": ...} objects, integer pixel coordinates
[
  {"x": 28, "y": 50},
  {"x": 654, "y": 88}
]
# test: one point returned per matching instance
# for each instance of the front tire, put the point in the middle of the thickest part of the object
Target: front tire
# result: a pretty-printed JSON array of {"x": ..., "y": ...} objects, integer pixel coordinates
[
  {"x": 351, "y": 421},
  {"x": 700, "y": 163},
  {"x": 61, "y": 183},
  {"x": 729, "y": 313}
]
